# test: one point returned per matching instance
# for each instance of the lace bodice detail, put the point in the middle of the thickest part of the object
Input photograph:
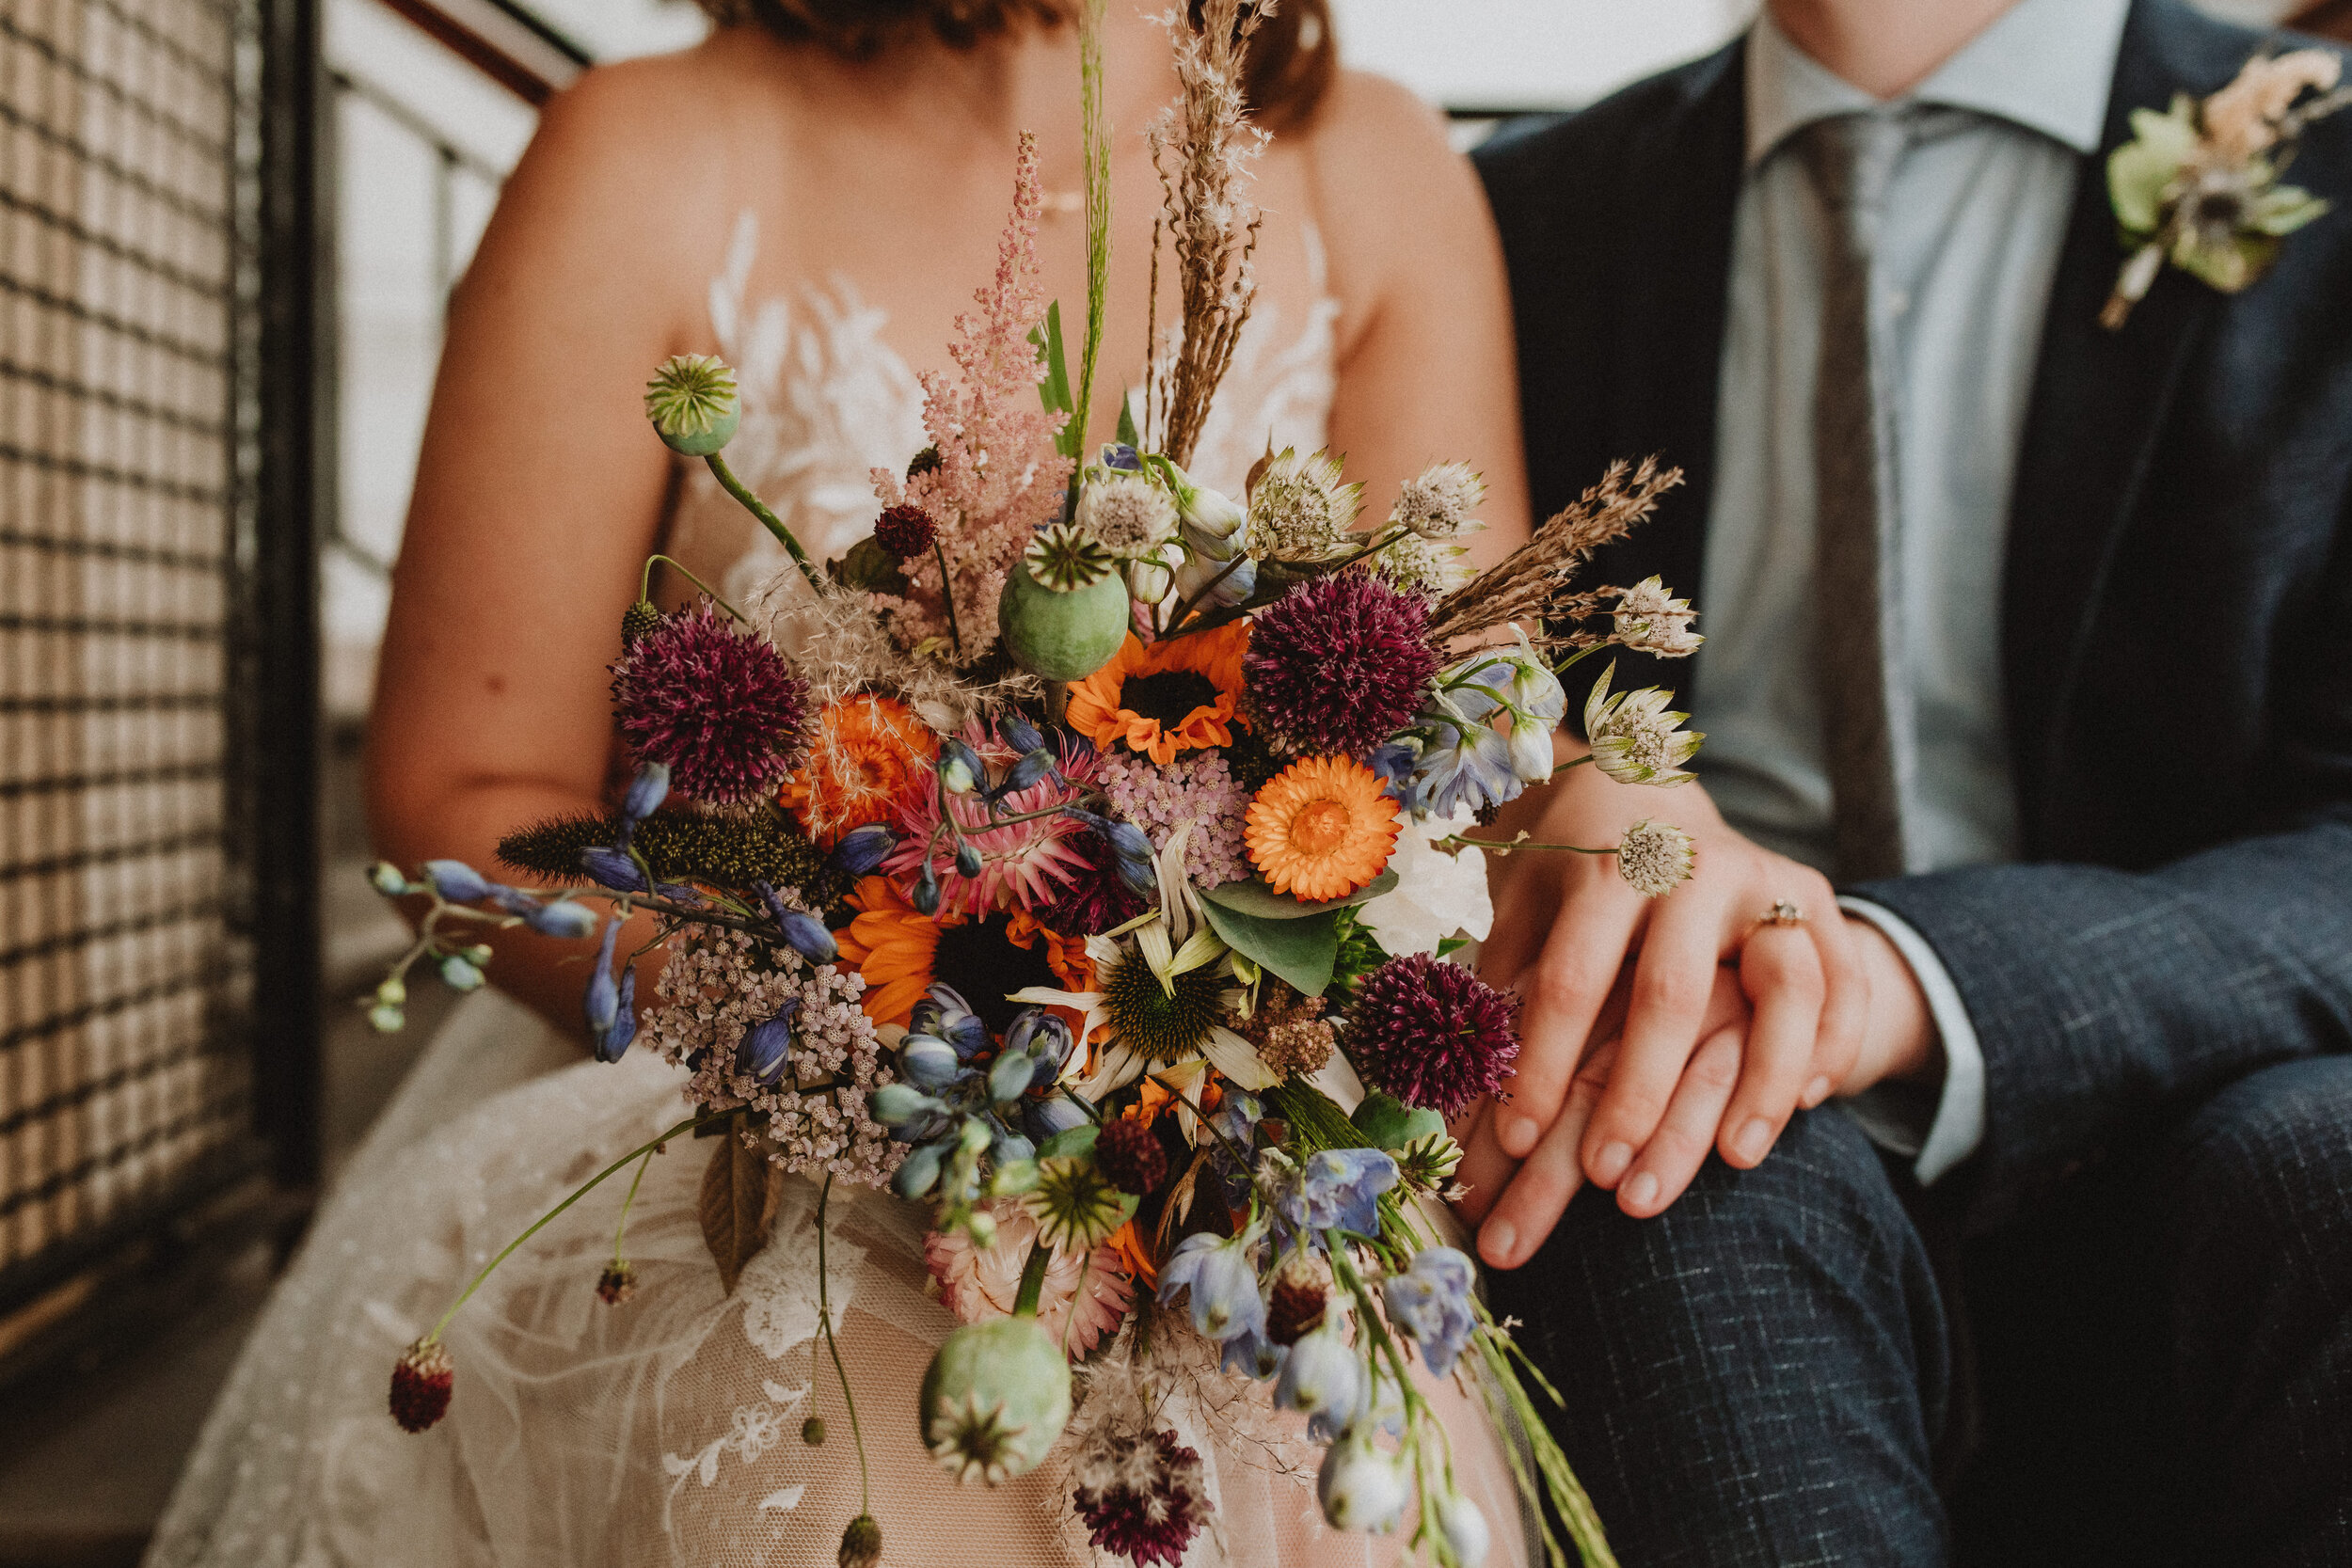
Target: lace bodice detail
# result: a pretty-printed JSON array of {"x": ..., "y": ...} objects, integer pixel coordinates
[{"x": 826, "y": 400}]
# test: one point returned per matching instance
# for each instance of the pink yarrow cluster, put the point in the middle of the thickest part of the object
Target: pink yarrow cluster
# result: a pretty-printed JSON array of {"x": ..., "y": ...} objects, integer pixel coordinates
[
  {"x": 998, "y": 463},
  {"x": 1198, "y": 790},
  {"x": 717, "y": 985}
]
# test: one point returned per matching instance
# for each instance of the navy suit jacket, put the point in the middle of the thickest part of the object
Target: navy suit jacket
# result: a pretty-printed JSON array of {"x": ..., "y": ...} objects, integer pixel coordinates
[{"x": 2176, "y": 615}]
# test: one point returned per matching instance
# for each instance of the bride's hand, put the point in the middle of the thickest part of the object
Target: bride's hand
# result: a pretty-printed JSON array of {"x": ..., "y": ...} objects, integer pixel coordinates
[{"x": 1566, "y": 927}]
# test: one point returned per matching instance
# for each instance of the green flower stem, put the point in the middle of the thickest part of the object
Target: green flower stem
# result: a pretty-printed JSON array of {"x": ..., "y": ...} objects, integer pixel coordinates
[
  {"x": 947, "y": 595},
  {"x": 1079, "y": 1101},
  {"x": 1096, "y": 136},
  {"x": 689, "y": 1125},
  {"x": 1032, "y": 1279},
  {"x": 1505, "y": 846},
  {"x": 1505, "y": 1394},
  {"x": 1186, "y": 608},
  {"x": 620, "y": 1231},
  {"x": 644, "y": 585},
  {"x": 1576, "y": 762},
  {"x": 824, "y": 1320},
  {"x": 768, "y": 519}
]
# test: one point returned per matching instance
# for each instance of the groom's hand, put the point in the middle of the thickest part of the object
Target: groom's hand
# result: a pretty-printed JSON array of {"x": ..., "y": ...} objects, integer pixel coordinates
[{"x": 1565, "y": 926}]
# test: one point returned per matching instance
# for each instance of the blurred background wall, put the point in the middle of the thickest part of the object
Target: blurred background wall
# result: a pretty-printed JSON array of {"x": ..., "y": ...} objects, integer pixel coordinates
[{"x": 228, "y": 232}]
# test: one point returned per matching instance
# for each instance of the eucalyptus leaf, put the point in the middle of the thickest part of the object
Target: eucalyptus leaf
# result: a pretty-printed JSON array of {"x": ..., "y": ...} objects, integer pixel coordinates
[
  {"x": 1254, "y": 898},
  {"x": 1301, "y": 951},
  {"x": 1072, "y": 1143}
]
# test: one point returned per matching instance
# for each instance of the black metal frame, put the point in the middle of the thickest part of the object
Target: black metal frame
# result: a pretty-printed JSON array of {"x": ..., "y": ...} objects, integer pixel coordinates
[{"x": 281, "y": 470}]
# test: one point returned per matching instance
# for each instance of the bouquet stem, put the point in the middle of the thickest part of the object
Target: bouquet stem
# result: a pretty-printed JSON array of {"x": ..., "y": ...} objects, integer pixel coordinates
[{"x": 768, "y": 519}]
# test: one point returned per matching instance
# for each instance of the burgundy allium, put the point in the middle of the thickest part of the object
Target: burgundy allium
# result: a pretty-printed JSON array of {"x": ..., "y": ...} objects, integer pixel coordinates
[
  {"x": 1432, "y": 1034},
  {"x": 1094, "y": 900},
  {"x": 1129, "y": 1154},
  {"x": 1149, "y": 1505},
  {"x": 421, "y": 1384},
  {"x": 722, "y": 709},
  {"x": 617, "y": 1284},
  {"x": 905, "y": 531},
  {"x": 1340, "y": 664}
]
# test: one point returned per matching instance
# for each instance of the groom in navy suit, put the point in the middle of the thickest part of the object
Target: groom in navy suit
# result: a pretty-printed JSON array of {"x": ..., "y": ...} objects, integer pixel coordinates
[{"x": 2035, "y": 633}]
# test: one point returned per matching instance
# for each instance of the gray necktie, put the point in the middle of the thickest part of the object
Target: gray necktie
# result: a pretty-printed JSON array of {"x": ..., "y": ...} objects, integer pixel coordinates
[{"x": 1851, "y": 158}]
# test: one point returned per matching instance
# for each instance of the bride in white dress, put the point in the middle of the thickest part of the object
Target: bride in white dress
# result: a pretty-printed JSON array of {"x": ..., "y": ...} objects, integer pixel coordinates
[{"x": 812, "y": 194}]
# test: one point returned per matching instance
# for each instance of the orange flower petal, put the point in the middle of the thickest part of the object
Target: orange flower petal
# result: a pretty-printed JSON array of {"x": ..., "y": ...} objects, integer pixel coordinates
[{"x": 1321, "y": 828}]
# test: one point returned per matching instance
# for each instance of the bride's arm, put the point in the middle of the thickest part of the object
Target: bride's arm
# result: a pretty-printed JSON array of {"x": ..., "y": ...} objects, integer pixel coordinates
[
  {"x": 1426, "y": 372},
  {"x": 539, "y": 491}
]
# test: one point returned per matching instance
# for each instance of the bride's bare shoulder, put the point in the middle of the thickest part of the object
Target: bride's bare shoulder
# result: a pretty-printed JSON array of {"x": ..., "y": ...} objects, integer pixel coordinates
[{"x": 1390, "y": 191}]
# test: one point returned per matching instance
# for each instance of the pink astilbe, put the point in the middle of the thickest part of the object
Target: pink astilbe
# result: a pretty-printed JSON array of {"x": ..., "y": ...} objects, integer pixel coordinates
[{"x": 998, "y": 475}]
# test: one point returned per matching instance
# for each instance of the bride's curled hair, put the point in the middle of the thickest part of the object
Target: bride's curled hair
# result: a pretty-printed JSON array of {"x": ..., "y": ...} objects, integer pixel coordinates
[{"x": 1291, "y": 58}]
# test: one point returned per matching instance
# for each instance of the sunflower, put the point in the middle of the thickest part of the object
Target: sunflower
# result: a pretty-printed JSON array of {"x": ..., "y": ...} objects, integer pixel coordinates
[
  {"x": 900, "y": 953},
  {"x": 1178, "y": 694},
  {"x": 864, "y": 751},
  {"x": 1322, "y": 829}
]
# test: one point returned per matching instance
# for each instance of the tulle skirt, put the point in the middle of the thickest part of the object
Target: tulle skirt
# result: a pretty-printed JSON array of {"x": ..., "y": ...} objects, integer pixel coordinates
[{"x": 667, "y": 1429}]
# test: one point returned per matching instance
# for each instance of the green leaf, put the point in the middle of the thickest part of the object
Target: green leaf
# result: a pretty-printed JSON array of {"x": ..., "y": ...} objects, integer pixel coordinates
[
  {"x": 2285, "y": 208},
  {"x": 1054, "y": 391},
  {"x": 1127, "y": 424},
  {"x": 1071, "y": 1144},
  {"x": 1301, "y": 951},
  {"x": 869, "y": 568},
  {"x": 1254, "y": 898}
]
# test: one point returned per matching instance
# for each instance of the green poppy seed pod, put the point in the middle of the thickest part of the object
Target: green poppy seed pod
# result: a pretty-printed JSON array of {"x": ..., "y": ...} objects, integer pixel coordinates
[
  {"x": 638, "y": 620},
  {"x": 1062, "y": 635},
  {"x": 995, "y": 1400},
  {"x": 692, "y": 403}
]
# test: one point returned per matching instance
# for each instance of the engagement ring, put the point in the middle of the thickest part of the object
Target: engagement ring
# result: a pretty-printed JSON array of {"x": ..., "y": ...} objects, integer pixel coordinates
[{"x": 1783, "y": 913}]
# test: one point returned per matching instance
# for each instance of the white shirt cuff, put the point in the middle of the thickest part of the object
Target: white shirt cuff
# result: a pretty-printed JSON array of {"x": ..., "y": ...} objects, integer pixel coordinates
[{"x": 1892, "y": 1117}]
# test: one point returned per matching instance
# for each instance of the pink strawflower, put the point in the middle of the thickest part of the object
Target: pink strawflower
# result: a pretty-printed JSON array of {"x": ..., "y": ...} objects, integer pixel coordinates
[
  {"x": 998, "y": 473},
  {"x": 1023, "y": 865},
  {"x": 978, "y": 1284},
  {"x": 1340, "y": 664},
  {"x": 1432, "y": 1033},
  {"x": 720, "y": 707},
  {"x": 1196, "y": 790}
]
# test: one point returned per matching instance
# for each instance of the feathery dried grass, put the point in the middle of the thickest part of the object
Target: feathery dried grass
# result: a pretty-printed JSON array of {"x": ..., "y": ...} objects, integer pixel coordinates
[
  {"x": 1203, "y": 145},
  {"x": 1527, "y": 585}
]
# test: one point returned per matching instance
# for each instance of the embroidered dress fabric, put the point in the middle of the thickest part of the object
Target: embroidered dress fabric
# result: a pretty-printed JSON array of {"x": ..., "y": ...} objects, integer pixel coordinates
[{"x": 667, "y": 1430}]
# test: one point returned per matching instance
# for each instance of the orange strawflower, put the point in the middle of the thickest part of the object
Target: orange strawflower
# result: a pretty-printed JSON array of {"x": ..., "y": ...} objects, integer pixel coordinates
[
  {"x": 1321, "y": 828},
  {"x": 895, "y": 950},
  {"x": 863, "y": 750},
  {"x": 1179, "y": 694}
]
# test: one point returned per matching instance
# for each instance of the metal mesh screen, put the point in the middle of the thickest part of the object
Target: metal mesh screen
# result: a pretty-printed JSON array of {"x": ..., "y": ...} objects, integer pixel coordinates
[{"x": 125, "y": 972}]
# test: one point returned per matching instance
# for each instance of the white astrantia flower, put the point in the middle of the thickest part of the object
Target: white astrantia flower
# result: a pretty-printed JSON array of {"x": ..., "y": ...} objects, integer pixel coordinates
[
  {"x": 1439, "y": 893},
  {"x": 1412, "y": 564},
  {"x": 1129, "y": 514},
  {"x": 1654, "y": 858},
  {"x": 1649, "y": 620},
  {"x": 1635, "y": 739},
  {"x": 1301, "y": 509},
  {"x": 1438, "y": 504}
]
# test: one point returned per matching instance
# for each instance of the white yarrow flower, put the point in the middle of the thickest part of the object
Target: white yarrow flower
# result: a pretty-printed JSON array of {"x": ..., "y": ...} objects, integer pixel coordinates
[
  {"x": 1654, "y": 858},
  {"x": 1635, "y": 738},
  {"x": 1438, "y": 504}
]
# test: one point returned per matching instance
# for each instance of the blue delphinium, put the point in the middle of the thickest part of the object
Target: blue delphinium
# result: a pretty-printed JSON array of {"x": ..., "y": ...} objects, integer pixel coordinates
[
  {"x": 1325, "y": 1378},
  {"x": 1222, "y": 1274},
  {"x": 1331, "y": 1189},
  {"x": 1431, "y": 1302}
]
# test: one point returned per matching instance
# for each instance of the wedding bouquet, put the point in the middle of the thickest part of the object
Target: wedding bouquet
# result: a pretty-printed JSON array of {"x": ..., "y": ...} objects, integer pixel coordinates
[{"x": 1055, "y": 855}]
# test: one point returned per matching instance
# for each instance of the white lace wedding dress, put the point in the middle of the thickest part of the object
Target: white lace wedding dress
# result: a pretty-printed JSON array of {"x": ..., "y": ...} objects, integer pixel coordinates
[{"x": 667, "y": 1430}]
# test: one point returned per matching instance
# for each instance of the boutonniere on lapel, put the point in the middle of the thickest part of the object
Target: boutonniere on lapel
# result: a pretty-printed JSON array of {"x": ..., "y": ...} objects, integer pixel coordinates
[{"x": 2199, "y": 184}]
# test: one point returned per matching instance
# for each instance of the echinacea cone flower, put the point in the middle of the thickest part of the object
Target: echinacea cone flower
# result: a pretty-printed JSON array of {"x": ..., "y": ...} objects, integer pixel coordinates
[{"x": 422, "y": 1379}]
